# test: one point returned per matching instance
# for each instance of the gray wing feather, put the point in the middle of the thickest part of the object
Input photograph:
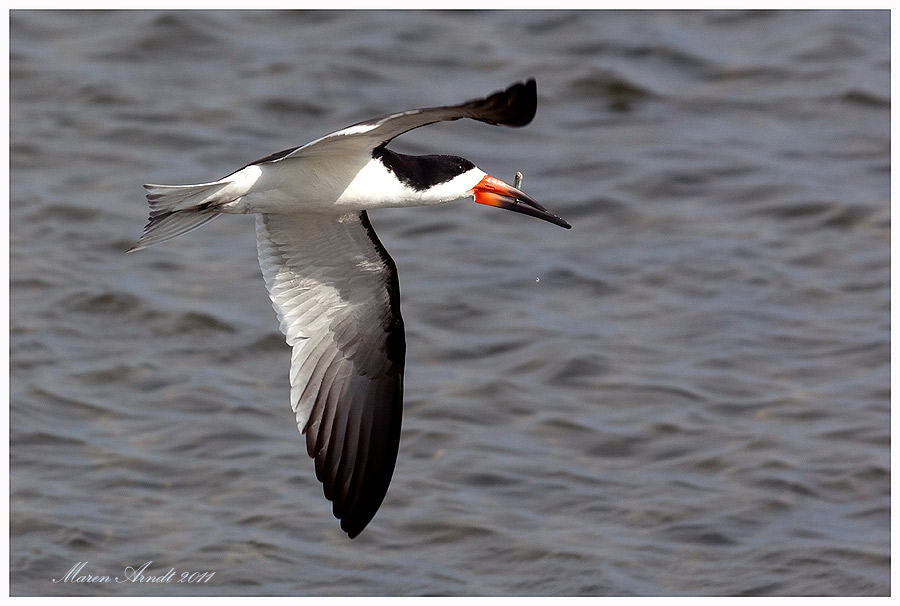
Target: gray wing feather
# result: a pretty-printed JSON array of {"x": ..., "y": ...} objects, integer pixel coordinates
[
  {"x": 514, "y": 106},
  {"x": 334, "y": 290}
]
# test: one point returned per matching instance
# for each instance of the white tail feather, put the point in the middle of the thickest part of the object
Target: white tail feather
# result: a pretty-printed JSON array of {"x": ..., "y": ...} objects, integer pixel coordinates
[
  {"x": 177, "y": 209},
  {"x": 170, "y": 226},
  {"x": 170, "y": 198}
]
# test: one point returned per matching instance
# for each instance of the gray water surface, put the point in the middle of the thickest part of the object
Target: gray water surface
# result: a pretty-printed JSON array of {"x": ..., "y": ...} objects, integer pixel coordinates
[{"x": 687, "y": 393}]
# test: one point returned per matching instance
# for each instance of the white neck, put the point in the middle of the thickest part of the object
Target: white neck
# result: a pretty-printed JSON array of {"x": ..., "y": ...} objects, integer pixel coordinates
[{"x": 377, "y": 187}]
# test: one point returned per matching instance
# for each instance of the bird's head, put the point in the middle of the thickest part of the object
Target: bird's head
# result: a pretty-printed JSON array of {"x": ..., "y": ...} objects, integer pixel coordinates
[{"x": 438, "y": 179}]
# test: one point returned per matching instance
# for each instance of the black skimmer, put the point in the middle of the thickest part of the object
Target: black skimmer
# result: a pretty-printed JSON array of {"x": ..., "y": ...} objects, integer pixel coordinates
[{"x": 332, "y": 283}]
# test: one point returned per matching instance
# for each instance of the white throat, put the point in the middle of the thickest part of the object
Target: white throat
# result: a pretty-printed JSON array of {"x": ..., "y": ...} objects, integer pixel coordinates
[{"x": 377, "y": 187}]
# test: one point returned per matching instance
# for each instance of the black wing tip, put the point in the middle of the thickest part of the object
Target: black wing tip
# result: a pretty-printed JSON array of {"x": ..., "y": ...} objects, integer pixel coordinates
[
  {"x": 358, "y": 509},
  {"x": 524, "y": 101},
  {"x": 515, "y": 106},
  {"x": 353, "y": 530},
  {"x": 358, "y": 485},
  {"x": 355, "y": 520}
]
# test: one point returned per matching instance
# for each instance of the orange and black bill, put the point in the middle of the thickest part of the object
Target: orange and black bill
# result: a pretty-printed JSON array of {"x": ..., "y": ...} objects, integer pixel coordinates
[{"x": 494, "y": 192}]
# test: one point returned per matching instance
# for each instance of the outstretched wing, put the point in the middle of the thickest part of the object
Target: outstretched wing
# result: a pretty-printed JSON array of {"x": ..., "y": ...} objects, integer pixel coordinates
[
  {"x": 335, "y": 291},
  {"x": 514, "y": 106}
]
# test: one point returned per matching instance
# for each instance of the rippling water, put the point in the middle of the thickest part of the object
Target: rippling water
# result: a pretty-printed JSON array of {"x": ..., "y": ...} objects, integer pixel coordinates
[{"x": 688, "y": 393}]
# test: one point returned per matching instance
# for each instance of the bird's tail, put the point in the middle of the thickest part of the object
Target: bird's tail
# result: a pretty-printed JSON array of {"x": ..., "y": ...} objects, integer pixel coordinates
[{"x": 177, "y": 209}]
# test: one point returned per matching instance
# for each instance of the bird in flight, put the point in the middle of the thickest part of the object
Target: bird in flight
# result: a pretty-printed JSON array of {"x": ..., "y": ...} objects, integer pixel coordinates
[{"x": 333, "y": 285}]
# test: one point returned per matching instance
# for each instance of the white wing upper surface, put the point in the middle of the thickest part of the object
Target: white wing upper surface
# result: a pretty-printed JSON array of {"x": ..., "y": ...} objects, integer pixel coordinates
[{"x": 335, "y": 292}]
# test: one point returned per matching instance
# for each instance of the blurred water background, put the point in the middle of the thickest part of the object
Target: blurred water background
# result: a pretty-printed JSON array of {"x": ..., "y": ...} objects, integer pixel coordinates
[{"x": 687, "y": 393}]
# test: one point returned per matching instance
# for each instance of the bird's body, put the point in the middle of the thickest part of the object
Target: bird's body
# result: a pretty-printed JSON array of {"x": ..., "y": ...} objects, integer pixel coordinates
[{"x": 333, "y": 285}]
